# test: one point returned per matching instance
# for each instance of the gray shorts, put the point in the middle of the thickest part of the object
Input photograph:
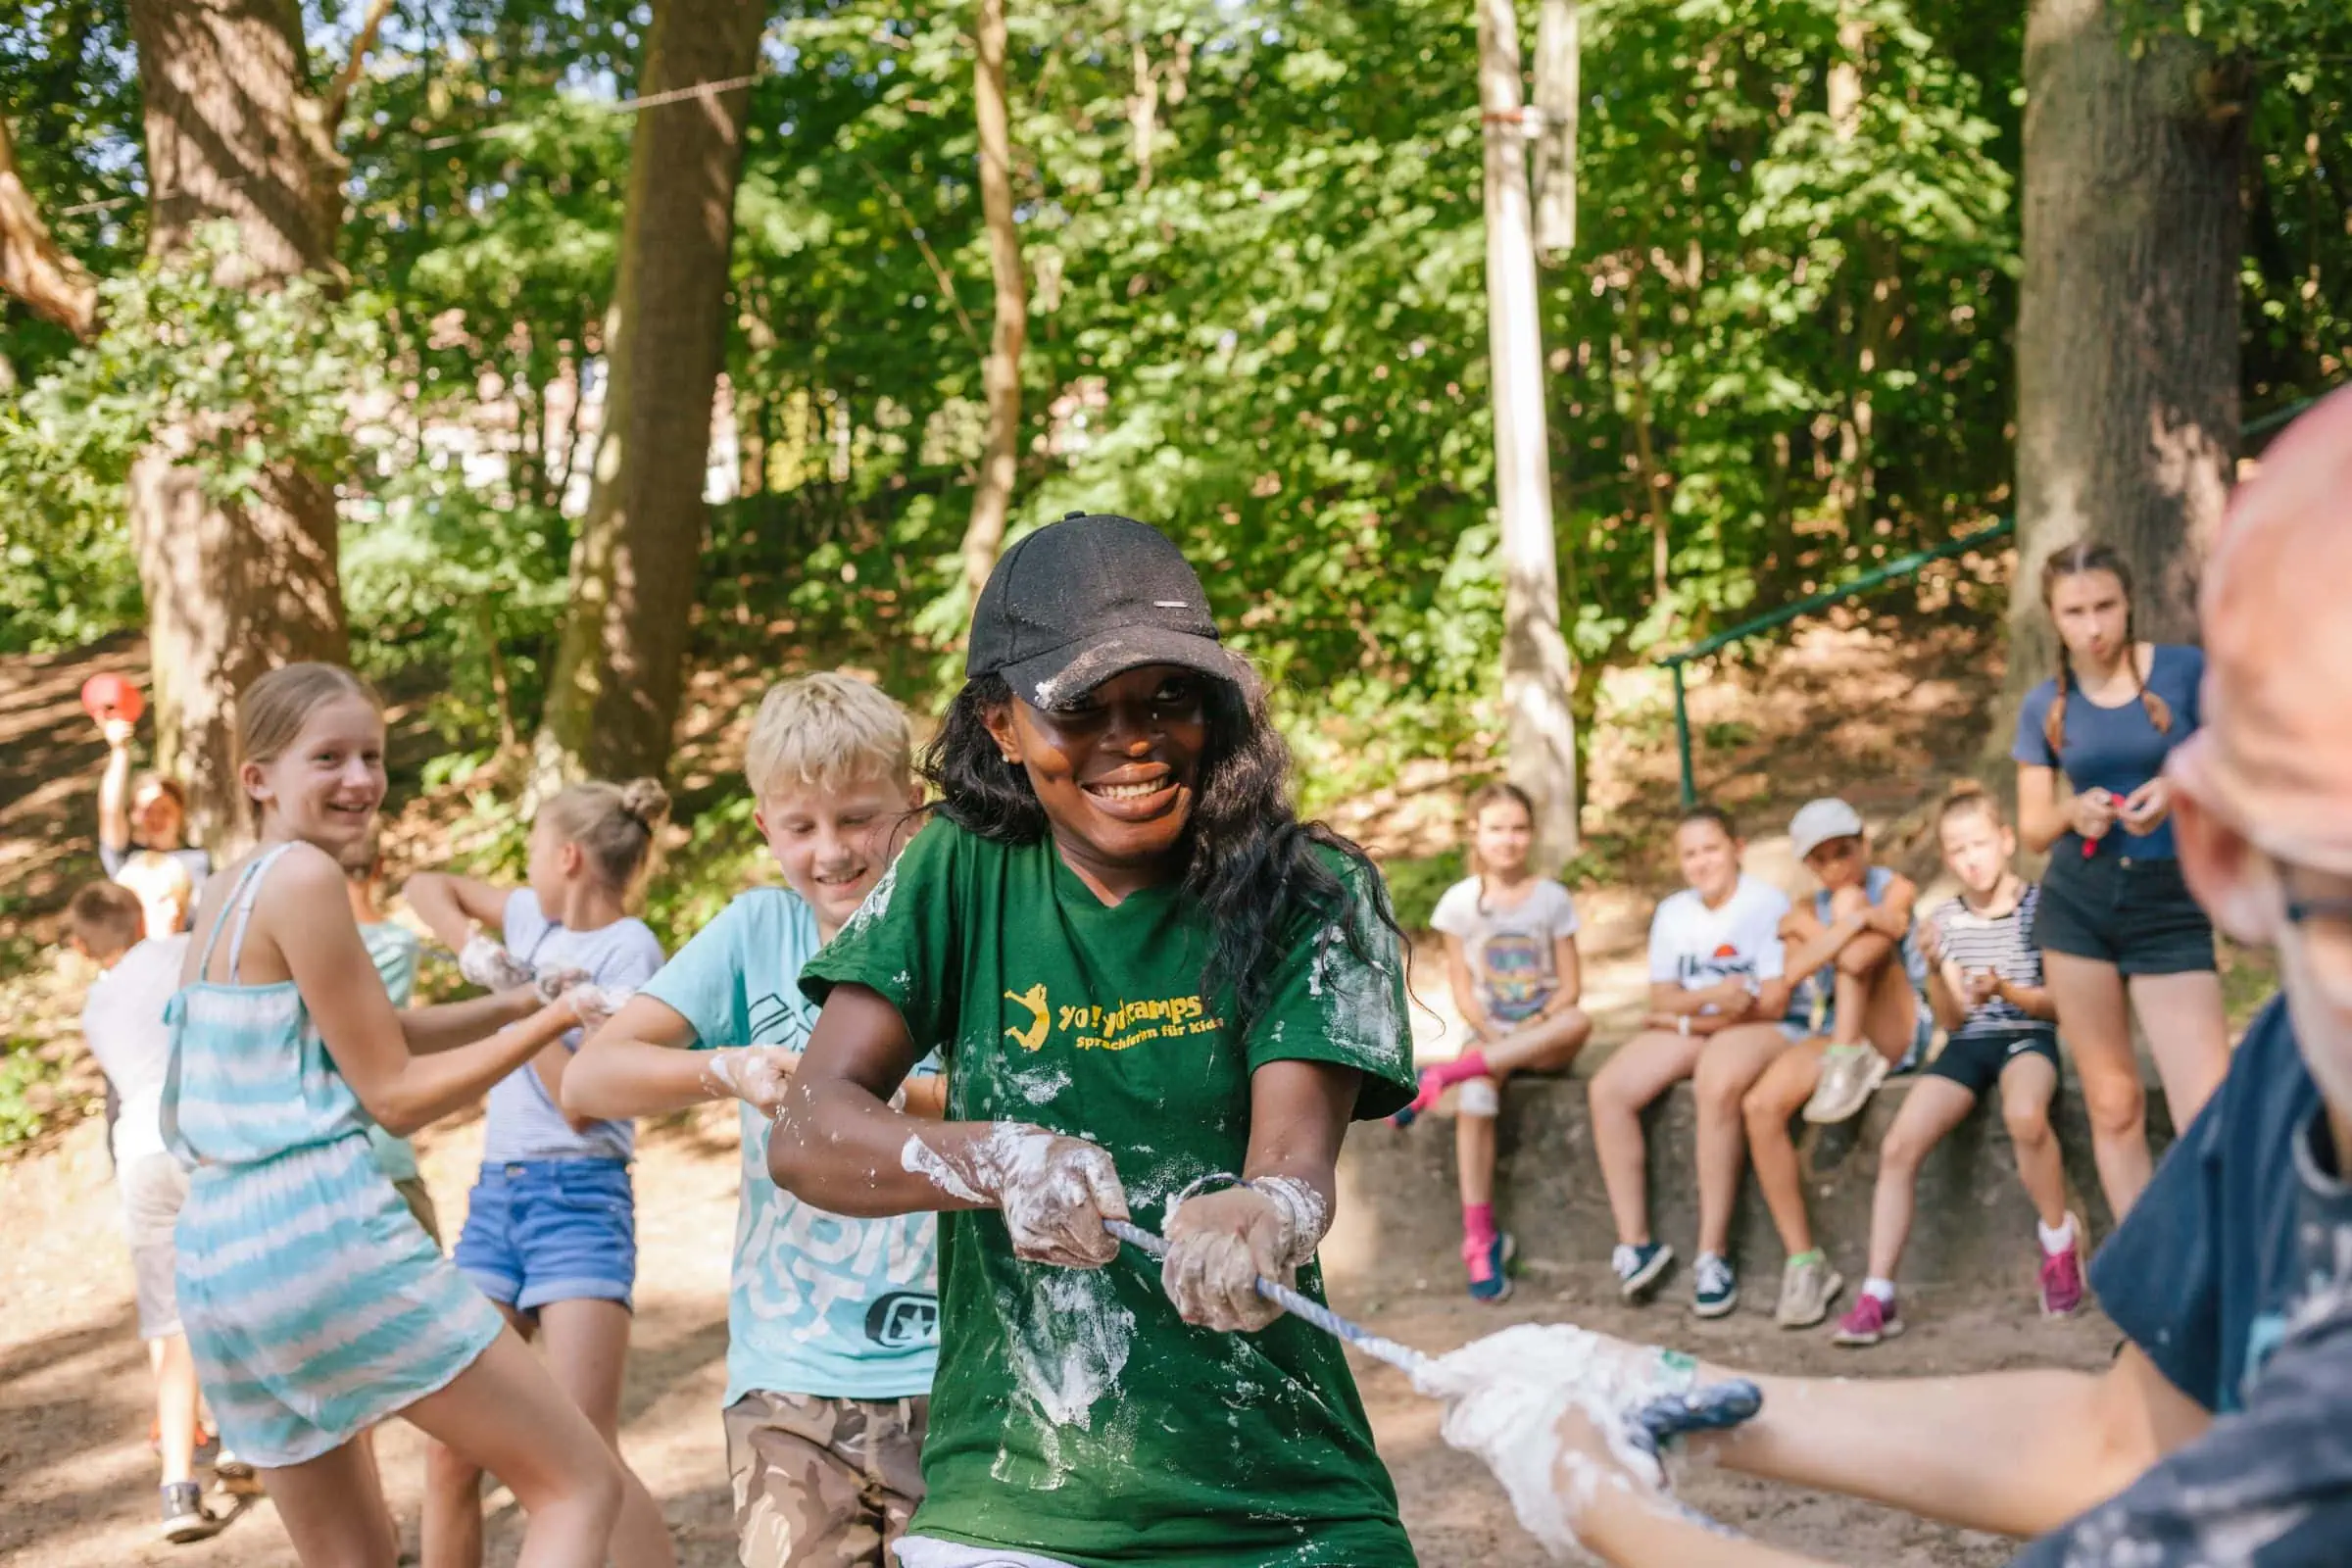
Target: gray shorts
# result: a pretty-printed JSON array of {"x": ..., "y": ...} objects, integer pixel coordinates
[{"x": 153, "y": 1189}]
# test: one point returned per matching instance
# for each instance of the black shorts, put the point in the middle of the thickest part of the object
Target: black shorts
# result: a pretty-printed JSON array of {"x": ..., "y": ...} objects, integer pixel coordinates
[
  {"x": 2136, "y": 914},
  {"x": 1976, "y": 1062}
]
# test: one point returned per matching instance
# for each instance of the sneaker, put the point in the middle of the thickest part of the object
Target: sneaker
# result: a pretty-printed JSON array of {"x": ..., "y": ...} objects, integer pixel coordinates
[
  {"x": 184, "y": 1515},
  {"x": 1868, "y": 1321},
  {"x": 1849, "y": 1074},
  {"x": 1490, "y": 1267},
  {"x": 1808, "y": 1285},
  {"x": 234, "y": 1474},
  {"x": 2061, "y": 1278},
  {"x": 1714, "y": 1287},
  {"x": 1638, "y": 1267},
  {"x": 1431, "y": 1089}
]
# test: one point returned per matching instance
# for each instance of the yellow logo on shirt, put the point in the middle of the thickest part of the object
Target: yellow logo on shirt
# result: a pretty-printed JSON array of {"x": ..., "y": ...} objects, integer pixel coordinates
[{"x": 1040, "y": 1012}]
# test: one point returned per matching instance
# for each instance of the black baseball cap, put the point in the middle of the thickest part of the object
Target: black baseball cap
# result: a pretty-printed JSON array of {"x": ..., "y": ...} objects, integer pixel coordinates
[{"x": 1090, "y": 597}]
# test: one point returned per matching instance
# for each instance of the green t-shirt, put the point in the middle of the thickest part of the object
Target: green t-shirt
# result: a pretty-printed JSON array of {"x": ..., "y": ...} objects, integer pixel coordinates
[{"x": 1075, "y": 1415}]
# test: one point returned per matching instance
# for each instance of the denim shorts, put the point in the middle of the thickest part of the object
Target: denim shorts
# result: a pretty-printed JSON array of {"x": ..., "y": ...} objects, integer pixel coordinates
[
  {"x": 551, "y": 1230},
  {"x": 2127, "y": 910}
]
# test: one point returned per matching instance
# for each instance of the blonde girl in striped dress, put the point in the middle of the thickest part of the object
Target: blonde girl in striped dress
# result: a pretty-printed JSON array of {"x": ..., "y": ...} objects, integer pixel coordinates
[{"x": 314, "y": 1302}]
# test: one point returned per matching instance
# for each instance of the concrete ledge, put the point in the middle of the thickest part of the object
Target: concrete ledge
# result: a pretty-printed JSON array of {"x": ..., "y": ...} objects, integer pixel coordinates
[{"x": 1400, "y": 1221}]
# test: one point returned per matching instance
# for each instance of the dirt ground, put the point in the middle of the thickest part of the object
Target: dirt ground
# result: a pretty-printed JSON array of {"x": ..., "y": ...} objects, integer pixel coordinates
[{"x": 76, "y": 1478}]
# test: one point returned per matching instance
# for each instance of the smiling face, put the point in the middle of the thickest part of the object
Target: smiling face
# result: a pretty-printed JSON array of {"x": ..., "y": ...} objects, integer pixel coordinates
[
  {"x": 1709, "y": 858},
  {"x": 834, "y": 843},
  {"x": 1838, "y": 862},
  {"x": 325, "y": 788},
  {"x": 2093, "y": 616},
  {"x": 1502, "y": 837},
  {"x": 1117, "y": 772}
]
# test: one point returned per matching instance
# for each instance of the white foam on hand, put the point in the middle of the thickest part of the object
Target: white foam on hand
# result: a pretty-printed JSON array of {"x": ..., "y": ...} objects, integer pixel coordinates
[
  {"x": 1220, "y": 1243},
  {"x": 553, "y": 983},
  {"x": 1549, "y": 1408},
  {"x": 484, "y": 962},
  {"x": 593, "y": 1004},
  {"x": 756, "y": 1075},
  {"x": 1053, "y": 1191}
]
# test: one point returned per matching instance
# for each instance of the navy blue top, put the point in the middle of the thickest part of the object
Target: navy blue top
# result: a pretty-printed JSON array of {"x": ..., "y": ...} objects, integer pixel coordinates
[
  {"x": 2201, "y": 1275},
  {"x": 2269, "y": 1486},
  {"x": 2117, "y": 748}
]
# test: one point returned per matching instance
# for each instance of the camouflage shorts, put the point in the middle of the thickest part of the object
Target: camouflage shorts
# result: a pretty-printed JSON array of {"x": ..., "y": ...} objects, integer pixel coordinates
[{"x": 823, "y": 1483}]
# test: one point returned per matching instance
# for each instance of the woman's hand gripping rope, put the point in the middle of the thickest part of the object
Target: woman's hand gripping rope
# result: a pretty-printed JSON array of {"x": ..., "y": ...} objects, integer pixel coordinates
[{"x": 1566, "y": 1418}]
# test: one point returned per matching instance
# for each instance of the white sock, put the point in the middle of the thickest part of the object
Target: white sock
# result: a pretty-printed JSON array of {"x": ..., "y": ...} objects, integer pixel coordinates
[
  {"x": 2059, "y": 1240},
  {"x": 1883, "y": 1290}
]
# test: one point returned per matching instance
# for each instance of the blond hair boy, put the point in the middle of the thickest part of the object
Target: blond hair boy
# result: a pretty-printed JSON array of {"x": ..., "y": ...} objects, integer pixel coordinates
[{"x": 832, "y": 1323}]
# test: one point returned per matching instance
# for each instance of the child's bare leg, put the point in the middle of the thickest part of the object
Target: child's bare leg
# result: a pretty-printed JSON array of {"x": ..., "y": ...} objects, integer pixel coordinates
[
  {"x": 1778, "y": 1094},
  {"x": 1727, "y": 1068},
  {"x": 1643, "y": 1068},
  {"x": 1543, "y": 1045},
  {"x": 1889, "y": 1015},
  {"x": 1855, "y": 972},
  {"x": 449, "y": 1535},
  {"x": 333, "y": 1510},
  {"x": 2028, "y": 1084},
  {"x": 175, "y": 1405},
  {"x": 1935, "y": 1108},
  {"x": 1474, "y": 1142},
  {"x": 506, "y": 1414},
  {"x": 587, "y": 1345}
]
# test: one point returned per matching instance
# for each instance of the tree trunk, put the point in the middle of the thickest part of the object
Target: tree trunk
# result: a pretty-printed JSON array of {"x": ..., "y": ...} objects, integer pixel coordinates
[
  {"x": 1559, "y": 61},
  {"x": 50, "y": 283},
  {"x": 1538, "y": 676},
  {"x": 2128, "y": 319},
  {"x": 236, "y": 134},
  {"x": 1001, "y": 375},
  {"x": 613, "y": 699}
]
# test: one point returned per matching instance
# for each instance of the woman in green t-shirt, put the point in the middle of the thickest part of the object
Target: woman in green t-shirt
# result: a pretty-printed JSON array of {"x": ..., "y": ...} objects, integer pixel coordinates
[{"x": 1161, "y": 995}]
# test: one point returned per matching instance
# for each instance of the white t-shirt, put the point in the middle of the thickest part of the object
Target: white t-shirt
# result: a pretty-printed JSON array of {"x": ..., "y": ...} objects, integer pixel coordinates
[
  {"x": 1512, "y": 948},
  {"x": 1695, "y": 947},
  {"x": 122, "y": 1022},
  {"x": 523, "y": 1122}
]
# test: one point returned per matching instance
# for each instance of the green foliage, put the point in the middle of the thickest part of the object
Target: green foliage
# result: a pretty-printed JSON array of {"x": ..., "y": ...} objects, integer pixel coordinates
[
  {"x": 23, "y": 1076},
  {"x": 234, "y": 382},
  {"x": 1417, "y": 882}
]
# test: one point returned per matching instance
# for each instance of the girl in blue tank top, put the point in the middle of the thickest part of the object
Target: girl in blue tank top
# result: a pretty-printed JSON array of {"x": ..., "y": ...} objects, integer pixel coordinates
[{"x": 314, "y": 1302}]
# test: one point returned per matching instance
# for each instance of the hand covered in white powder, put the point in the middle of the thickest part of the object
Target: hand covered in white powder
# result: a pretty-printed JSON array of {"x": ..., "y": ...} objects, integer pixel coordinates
[
  {"x": 756, "y": 1075},
  {"x": 593, "y": 1004},
  {"x": 1549, "y": 1408},
  {"x": 549, "y": 984},
  {"x": 1055, "y": 1193},
  {"x": 487, "y": 963},
  {"x": 1219, "y": 1243}
]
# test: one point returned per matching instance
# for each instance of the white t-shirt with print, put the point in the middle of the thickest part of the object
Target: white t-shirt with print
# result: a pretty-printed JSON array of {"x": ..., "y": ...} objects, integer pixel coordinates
[
  {"x": 1695, "y": 947},
  {"x": 1512, "y": 948}
]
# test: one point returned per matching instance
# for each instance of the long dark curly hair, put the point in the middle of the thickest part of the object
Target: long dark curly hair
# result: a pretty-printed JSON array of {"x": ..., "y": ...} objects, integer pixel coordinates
[{"x": 1248, "y": 857}]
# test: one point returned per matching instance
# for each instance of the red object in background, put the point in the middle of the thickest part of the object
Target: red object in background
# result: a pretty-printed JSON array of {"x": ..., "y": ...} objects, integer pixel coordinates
[{"x": 105, "y": 697}]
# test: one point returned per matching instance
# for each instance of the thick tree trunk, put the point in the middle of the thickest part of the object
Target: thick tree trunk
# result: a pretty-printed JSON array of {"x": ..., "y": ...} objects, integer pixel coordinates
[
  {"x": 235, "y": 134},
  {"x": 1559, "y": 52},
  {"x": 614, "y": 697},
  {"x": 1001, "y": 375},
  {"x": 1538, "y": 676},
  {"x": 50, "y": 283},
  {"x": 2127, "y": 319}
]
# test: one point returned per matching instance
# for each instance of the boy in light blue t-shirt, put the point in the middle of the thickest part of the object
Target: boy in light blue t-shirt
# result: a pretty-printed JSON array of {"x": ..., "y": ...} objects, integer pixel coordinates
[{"x": 832, "y": 1323}]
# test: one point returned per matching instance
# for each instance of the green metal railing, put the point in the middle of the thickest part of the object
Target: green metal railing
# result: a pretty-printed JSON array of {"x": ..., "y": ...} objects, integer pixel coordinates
[{"x": 1870, "y": 582}]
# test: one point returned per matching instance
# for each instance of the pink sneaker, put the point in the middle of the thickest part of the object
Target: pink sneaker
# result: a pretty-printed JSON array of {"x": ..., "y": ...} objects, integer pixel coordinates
[
  {"x": 2061, "y": 1278},
  {"x": 1868, "y": 1321}
]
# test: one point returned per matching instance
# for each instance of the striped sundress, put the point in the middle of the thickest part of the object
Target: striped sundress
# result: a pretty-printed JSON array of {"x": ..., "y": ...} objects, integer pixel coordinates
[{"x": 314, "y": 1302}]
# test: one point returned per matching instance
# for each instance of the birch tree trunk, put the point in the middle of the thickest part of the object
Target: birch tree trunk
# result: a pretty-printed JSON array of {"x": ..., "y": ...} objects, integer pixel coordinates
[{"x": 1538, "y": 678}]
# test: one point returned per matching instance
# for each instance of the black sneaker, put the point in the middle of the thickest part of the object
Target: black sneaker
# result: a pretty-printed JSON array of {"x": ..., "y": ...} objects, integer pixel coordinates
[
  {"x": 1638, "y": 1267},
  {"x": 184, "y": 1515}
]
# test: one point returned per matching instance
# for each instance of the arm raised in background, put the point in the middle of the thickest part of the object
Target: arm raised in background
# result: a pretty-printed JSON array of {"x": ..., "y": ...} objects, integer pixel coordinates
[{"x": 452, "y": 906}]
